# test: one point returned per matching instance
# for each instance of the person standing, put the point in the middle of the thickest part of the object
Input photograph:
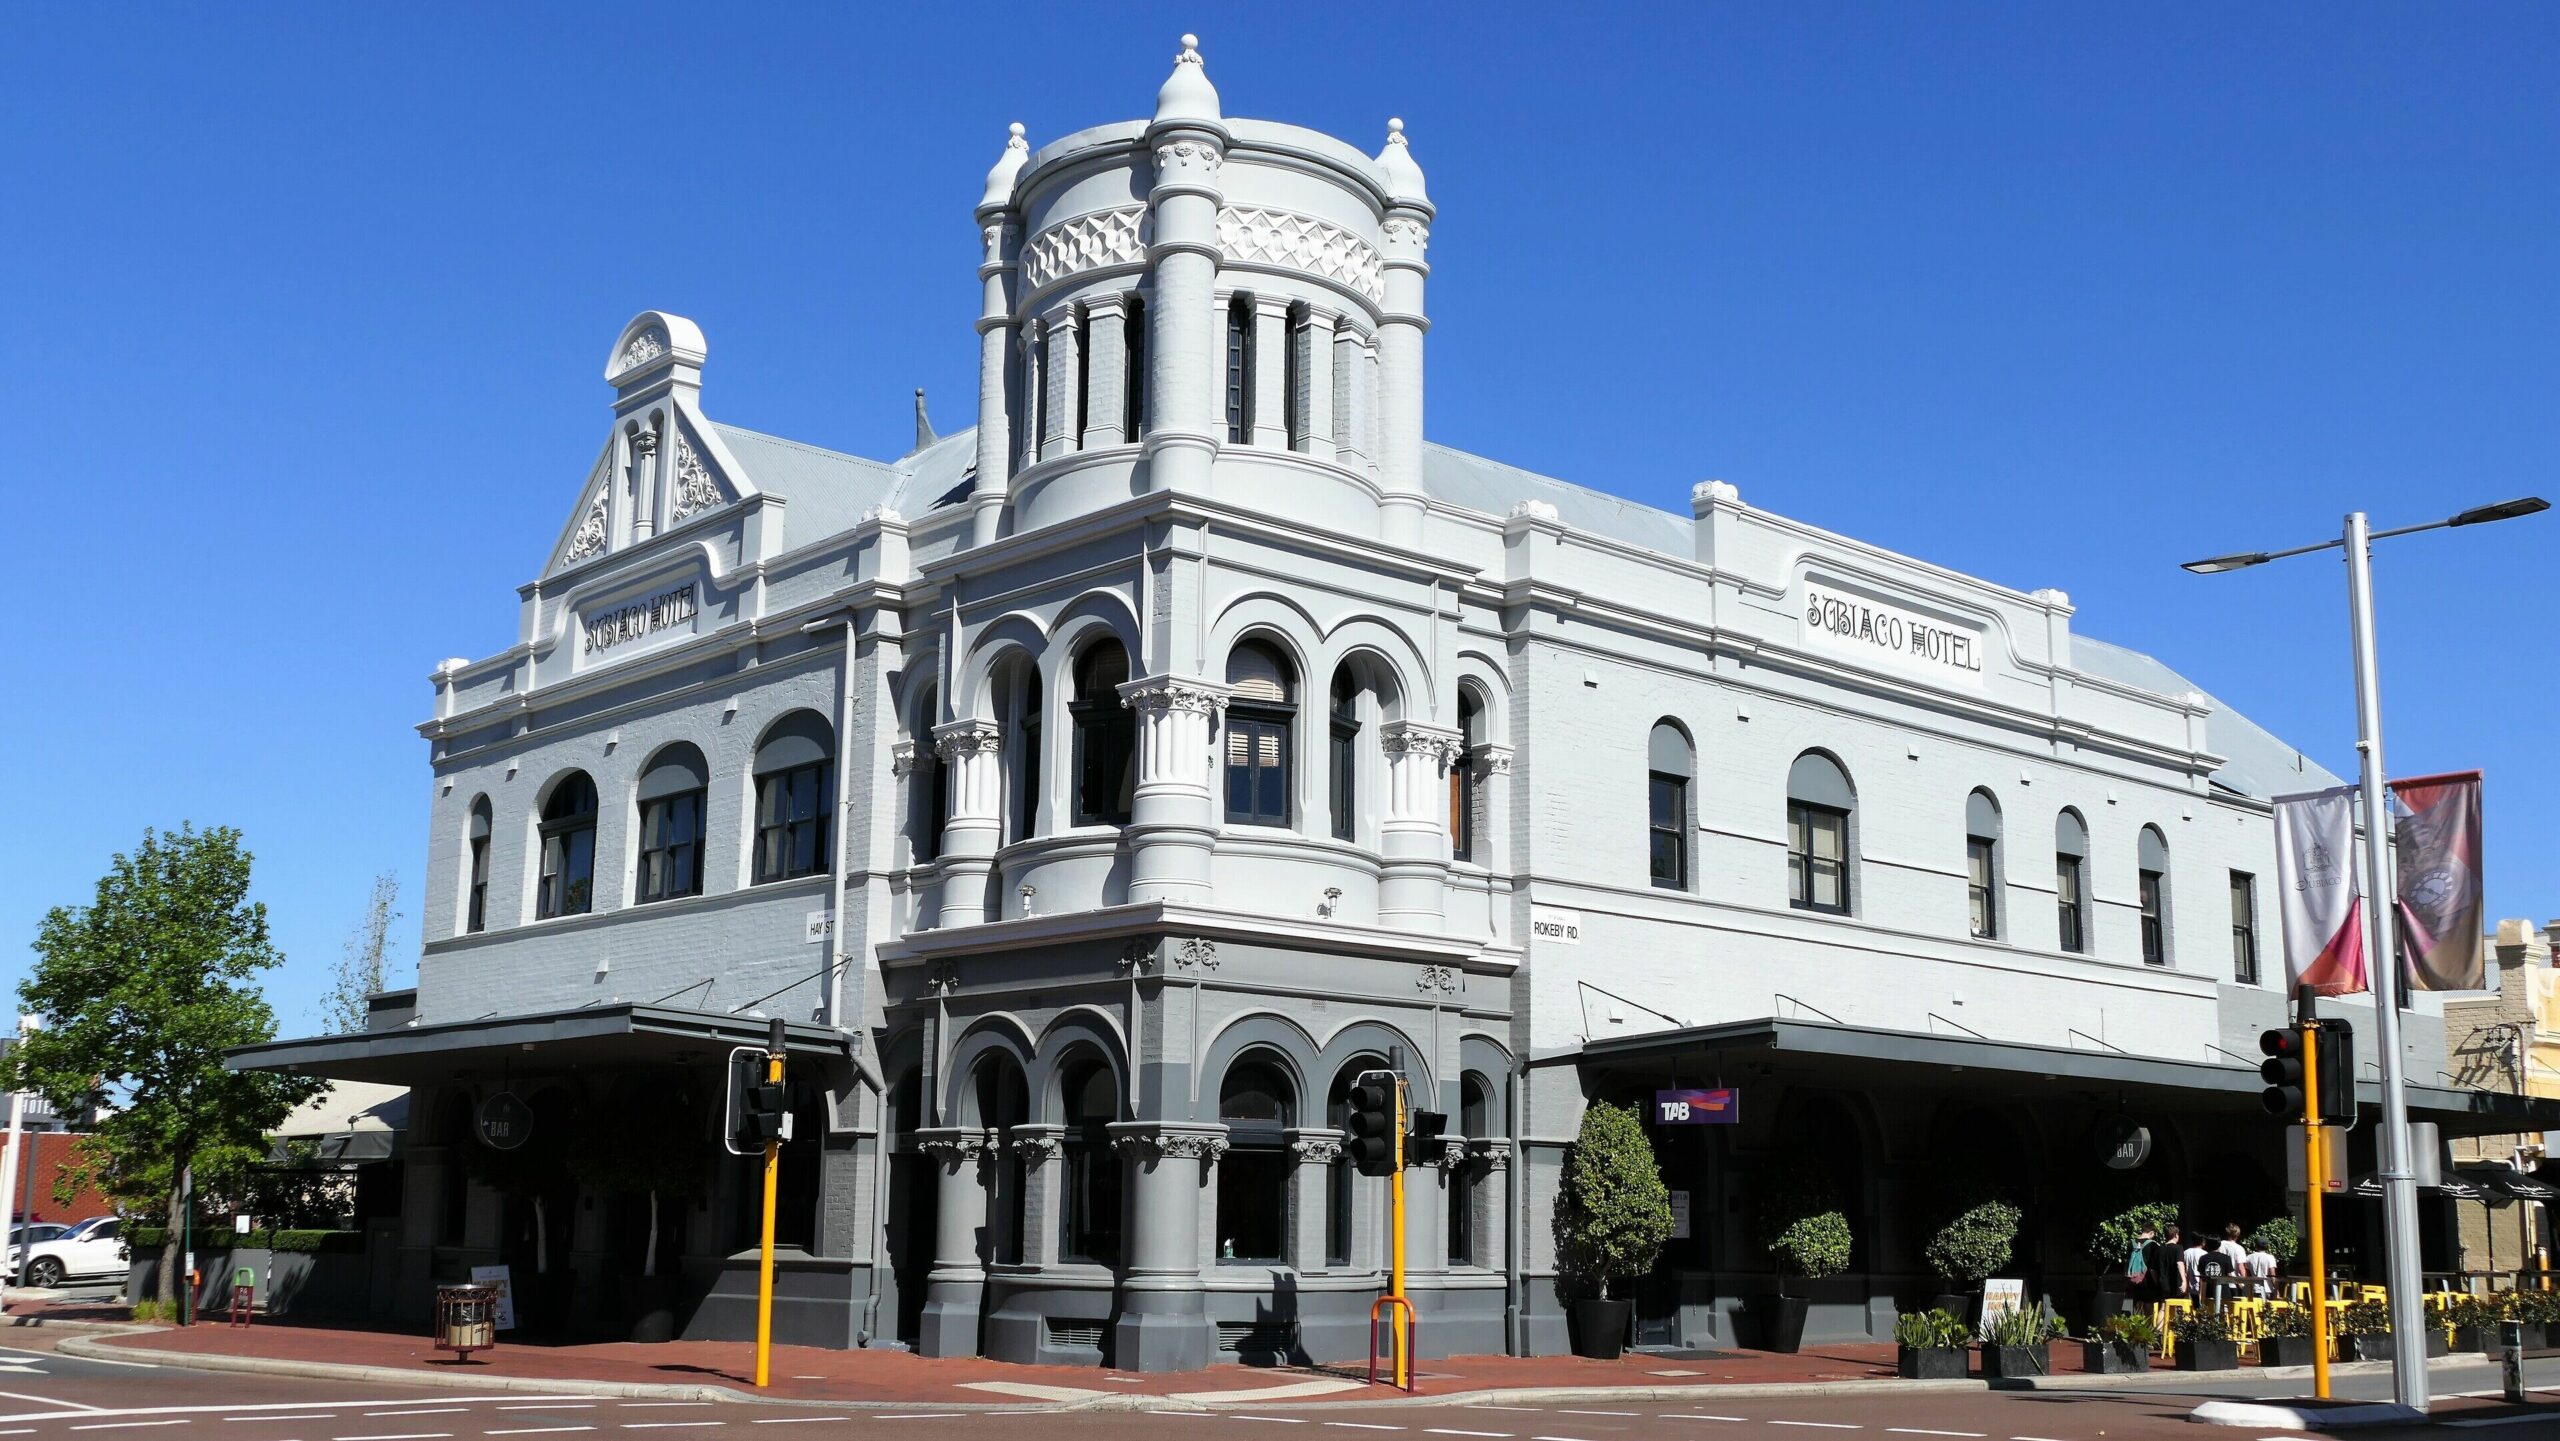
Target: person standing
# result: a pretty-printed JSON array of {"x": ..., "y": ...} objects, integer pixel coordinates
[
  {"x": 2259, "y": 1265},
  {"x": 2141, "y": 1271},
  {"x": 2185, "y": 1255}
]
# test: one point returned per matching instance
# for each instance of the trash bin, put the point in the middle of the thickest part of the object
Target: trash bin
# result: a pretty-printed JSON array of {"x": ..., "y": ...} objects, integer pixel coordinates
[{"x": 466, "y": 1319}]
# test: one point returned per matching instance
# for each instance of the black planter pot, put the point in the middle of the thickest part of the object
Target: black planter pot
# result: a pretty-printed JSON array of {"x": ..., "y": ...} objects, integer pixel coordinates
[
  {"x": 2372, "y": 1346},
  {"x": 1600, "y": 1328},
  {"x": 1929, "y": 1363},
  {"x": 2208, "y": 1355},
  {"x": 2288, "y": 1351},
  {"x": 2535, "y": 1336},
  {"x": 1782, "y": 1323},
  {"x": 2438, "y": 1343},
  {"x": 2114, "y": 1358},
  {"x": 2485, "y": 1338},
  {"x": 650, "y": 1303},
  {"x": 2008, "y": 1363},
  {"x": 2107, "y": 1301},
  {"x": 1965, "y": 1308}
]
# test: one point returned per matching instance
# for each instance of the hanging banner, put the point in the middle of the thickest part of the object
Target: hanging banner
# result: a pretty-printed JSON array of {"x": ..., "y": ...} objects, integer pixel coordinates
[
  {"x": 2316, "y": 884},
  {"x": 2435, "y": 839}
]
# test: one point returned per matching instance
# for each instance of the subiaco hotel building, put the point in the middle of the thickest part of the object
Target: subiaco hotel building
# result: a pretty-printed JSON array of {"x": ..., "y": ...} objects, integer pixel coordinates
[{"x": 1096, "y": 790}]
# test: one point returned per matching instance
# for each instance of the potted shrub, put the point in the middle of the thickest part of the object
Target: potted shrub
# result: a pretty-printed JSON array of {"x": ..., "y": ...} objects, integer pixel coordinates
[
  {"x": 2280, "y": 1237},
  {"x": 2204, "y": 1342},
  {"x": 2120, "y": 1344},
  {"x": 646, "y": 1144},
  {"x": 2287, "y": 1339},
  {"x": 2019, "y": 1343},
  {"x": 1970, "y": 1249},
  {"x": 2111, "y": 1247},
  {"x": 2366, "y": 1325},
  {"x": 1930, "y": 1345},
  {"x": 2474, "y": 1323},
  {"x": 2538, "y": 1310},
  {"x": 1813, "y": 1247},
  {"x": 1612, "y": 1217}
]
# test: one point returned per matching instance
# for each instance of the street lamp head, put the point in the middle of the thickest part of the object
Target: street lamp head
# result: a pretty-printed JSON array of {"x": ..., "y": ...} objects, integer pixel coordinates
[
  {"x": 2503, "y": 510},
  {"x": 2216, "y": 565}
]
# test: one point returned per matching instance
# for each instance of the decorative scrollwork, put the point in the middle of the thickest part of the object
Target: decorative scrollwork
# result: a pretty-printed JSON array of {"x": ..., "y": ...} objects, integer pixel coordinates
[
  {"x": 589, "y": 541},
  {"x": 1196, "y": 953},
  {"x": 1317, "y": 1150},
  {"x": 647, "y": 346},
  {"x": 1408, "y": 232},
  {"x": 696, "y": 490},
  {"x": 1139, "y": 956},
  {"x": 943, "y": 979},
  {"x": 1444, "y": 979}
]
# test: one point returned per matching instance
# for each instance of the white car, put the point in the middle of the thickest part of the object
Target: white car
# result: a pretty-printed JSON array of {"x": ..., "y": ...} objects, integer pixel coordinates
[{"x": 94, "y": 1248}]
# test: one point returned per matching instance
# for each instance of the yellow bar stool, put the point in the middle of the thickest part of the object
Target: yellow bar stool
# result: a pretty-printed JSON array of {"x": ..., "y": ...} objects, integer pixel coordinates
[
  {"x": 2170, "y": 1310},
  {"x": 2248, "y": 1320}
]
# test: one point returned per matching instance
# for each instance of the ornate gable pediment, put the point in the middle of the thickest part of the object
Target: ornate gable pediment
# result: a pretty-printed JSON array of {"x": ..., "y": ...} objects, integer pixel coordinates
[{"x": 663, "y": 465}]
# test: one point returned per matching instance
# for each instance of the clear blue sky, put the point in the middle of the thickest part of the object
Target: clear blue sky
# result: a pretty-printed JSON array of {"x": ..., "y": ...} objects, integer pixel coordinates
[{"x": 306, "y": 307}]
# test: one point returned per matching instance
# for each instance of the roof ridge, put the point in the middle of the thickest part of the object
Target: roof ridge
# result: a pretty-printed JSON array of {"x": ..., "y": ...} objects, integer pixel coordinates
[
  {"x": 1610, "y": 495},
  {"x": 805, "y": 445}
]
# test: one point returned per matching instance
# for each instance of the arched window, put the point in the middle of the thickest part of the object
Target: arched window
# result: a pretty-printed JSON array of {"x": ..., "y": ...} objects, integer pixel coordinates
[
  {"x": 1342, "y": 1178},
  {"x": 2071, "y": 880},
  {"x": 1982, "y": 865},
  {"x": 1240, "y": 359},
  {"x": 1293, "y": 376},
  {"x": 1475, "y": 1113},
  {"x": 476, "y": 911},
  {"x": 928, "y": 799},
  {"x": 1257, "y": 1104},
  {"x": 1342, "y": 755},
  {"x": 1667, "y": 765},
  {"x": 794, "y": 797},
  {"x": 568, "y": 849},
  {"x": 1260, "y": 715},
  {"x": 1135, "y": 330},
  {"x": 1464, "y": 787},
  {"x": 671, "y": 797},
  {"x": 2153, "y": 859},
  {"x": 1106, "y": 762},
  {"x": 1090, "y": 1182},
  {"x": 1023, "y": 731},
  {"x": 1819, "y": 804},
  {"x": 1084, "y": 375}
]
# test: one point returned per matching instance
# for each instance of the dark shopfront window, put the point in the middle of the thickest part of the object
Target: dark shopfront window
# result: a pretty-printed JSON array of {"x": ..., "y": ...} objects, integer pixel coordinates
[
  {"x": 1256, "y": 1104},
  {"x": 1090, "y": 1185}
]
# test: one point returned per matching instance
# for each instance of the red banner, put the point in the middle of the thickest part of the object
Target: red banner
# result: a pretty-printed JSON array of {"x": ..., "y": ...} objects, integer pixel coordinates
[{"x": 2435, "y": 843}]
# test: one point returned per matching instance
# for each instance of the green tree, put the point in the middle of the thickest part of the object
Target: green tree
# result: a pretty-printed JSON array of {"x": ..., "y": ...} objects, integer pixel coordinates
[
  {"x": 142, "y": 991},
  {"x": 364, "y": 968},
  {"x": 1974, "y": 1245},
  {"x": 1615, "y": 1213}
]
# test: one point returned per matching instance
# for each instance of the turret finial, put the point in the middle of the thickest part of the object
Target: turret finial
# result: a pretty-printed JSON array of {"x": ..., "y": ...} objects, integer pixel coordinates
[
  {"x": 1187, "y": 94},
  {"x": 1008, "y": 165},
  {"x": 1404, "y": 177},
  {"x": 1395, "y": 131},
  {"x": 924, "y": 427}
]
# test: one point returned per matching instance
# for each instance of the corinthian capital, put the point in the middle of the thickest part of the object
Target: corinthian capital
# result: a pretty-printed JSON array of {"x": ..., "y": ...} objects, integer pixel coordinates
[
  {"x": 963, "y": 738},
  {"x": 1174, "y": 693},
  {"x": 1438, "y": 743}
]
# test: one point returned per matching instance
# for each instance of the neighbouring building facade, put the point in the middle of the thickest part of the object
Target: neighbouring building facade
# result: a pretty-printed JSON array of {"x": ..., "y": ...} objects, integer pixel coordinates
[
  {"x": 1098, "y": 791},
  {"x": 2508, "y": 1040}
]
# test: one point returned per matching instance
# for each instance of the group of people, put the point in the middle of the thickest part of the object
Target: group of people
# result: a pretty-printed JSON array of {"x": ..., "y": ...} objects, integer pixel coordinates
[{"x": 2167, "y": 1264}]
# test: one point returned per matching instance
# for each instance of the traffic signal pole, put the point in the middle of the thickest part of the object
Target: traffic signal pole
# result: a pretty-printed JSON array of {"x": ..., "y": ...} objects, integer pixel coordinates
[
  {"x": 2315, "y": 1194},
  {"x": 764, "y": 1262},
  {"x": 1395, "y": 1280}
]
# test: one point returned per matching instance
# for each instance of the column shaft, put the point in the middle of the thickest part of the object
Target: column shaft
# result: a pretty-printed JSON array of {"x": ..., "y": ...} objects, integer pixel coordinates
[
  {"x": 1106, "y": 370},
  {"x": 1062, "y": 429}
]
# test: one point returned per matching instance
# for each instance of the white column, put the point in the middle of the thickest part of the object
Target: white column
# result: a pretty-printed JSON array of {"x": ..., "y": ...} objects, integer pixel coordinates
[
  {"x": 1035, "y": 392},
  {"x": 1350, "y": 446},
  {"x": 1312, "y": 1153},
  {"x": 644, "y": 483},
  {"x": 1000, "y": 237},
  {"x": 1183, "y": 367},
  {"x": 1311, "y": 428},
  {"x": 1413, "y": 842},
  {"x": 1059, "y": 435},
  {"x": 1173, "y": 817},
  {"x": 1038, "y": 1146},
  {"x": 1106, "y": 368},
  {"x": 1400, "y": 330},
  {"x": 1271, "y": 398},
  {"x": 972, "y": 752},
  {"x": 955, "y": 1289}
]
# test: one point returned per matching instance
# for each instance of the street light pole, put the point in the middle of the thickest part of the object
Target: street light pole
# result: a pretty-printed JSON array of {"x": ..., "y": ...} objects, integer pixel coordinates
[{"x": 2399, "y": 1177}]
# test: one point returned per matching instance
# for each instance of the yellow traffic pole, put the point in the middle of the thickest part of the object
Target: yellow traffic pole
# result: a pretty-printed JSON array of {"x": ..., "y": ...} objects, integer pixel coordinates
[
  {"x": 2315, "y": 1187},
  {"x": 1395, "y": 1279},
  {"x": 764, "y": 1262}
]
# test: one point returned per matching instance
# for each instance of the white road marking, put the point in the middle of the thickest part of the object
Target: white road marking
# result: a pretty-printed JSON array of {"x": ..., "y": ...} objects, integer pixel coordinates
[
  {"x": 537, "y": 1430},
  {"x": 1922, "y": 1431},
  {"x": 91, "y": 1360},
  {"x": 298, "y": 1416},
  {"x": 1489, "y": 1406},
  {"x": 241, "y": 1408},
  {"x": 657, "y": 1405},
  {"x": 793, "y": 1420},
  {"x": 1445, "y": 1431},
  {"x": 1594, "y": 1413},
  {"x": 2502, "y": 1420},
  {"x": 2030, "y": 1438},
  {"x": 1824, "y": 1425},
  {"x": 921, "y": 1416},
  {"x": 572, "y": 1406},
  {"x": 179, "y": 1421},
  {"x": 1240, "y": 1416},
  {"x": 667, "y": 1425},
  {"x": 1555, "y": 1438},
  {"x": 1363, "y": 1426},
  {"x": 437, "y": 1411},
  {"x": 1680, "y": 1416},
  {"x": 403, "y": 1436},
  {"x": 47, "y": 1401}
]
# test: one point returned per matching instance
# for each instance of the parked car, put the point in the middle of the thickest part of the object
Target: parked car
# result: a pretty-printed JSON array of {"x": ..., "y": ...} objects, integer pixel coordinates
[
  {"x": 94, "y": 1248},
  {"x": 30, "y": 1232}
]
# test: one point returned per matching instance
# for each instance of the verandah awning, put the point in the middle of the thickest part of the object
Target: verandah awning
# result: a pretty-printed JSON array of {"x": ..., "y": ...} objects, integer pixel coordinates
[
  {"x": 618, "y": 1035},
  {"x": 1856, "y": 1055}
]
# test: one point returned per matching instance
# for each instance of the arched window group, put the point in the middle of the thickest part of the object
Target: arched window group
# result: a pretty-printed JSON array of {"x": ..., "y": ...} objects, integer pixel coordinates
[
  {"x": 1819, "y": 805},
  {"x": 1257, "y": 1103},
  {"x": 792, "y": 805}
]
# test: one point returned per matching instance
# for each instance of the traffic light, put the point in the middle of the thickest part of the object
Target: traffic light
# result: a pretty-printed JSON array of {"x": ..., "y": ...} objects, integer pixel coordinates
[
  {"x": 759, "y": 1110},
  {"x": 1425, "y": 1128},
  {"x": 1372, "y": 1125},
  {"x": 2337, "y": 1074},
  {"x": 2282, "y": 1071}
]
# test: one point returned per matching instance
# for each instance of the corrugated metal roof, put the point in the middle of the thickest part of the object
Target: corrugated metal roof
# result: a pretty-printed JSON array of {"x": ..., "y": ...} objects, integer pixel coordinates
[{"x": 2256, "y": 763}]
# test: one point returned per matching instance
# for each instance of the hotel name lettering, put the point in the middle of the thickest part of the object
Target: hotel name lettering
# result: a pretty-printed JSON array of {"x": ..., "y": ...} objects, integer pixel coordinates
[
  {"x": 1845, "y": 622},
  {"x": 641, "y": 618}
]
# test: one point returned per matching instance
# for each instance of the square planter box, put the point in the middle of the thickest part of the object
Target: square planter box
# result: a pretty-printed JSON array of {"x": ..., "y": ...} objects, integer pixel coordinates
[
  {"x": 2485, "y": 1338},
  {"x": 2377, "y": 1345},
  {"x": 2288, "y": 1351},
  {"x": 1929, "y": 1363},
  {"x": 2208, "y": 1355},
  {"x": 2011, "y": 1362},
  {"x": 2114, "y": 1358}
]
